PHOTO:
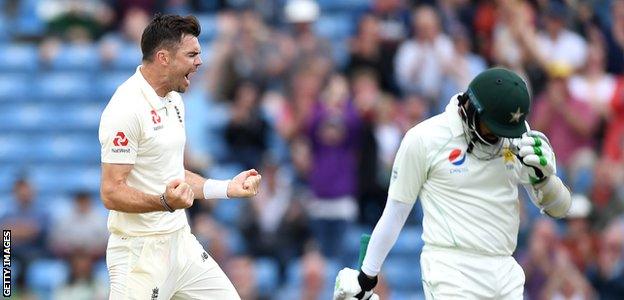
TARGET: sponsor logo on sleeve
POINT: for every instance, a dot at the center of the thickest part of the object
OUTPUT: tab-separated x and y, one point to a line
120	141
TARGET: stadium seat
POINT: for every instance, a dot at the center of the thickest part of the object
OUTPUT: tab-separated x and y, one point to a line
343	5
71	148
44	275
14	148
66	179
209	28
228	212
334	26
406	295
63	86
18	57
26	116
128	57
14	86
83	57
267	275
409	242
108	83
27	22
8	174
402	273
81	116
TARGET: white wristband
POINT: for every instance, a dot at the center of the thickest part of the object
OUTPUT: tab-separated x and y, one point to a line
216	189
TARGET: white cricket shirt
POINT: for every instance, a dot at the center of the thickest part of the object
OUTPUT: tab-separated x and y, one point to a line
468	203
140	128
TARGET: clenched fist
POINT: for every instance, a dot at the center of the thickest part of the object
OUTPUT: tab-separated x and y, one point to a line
179	194
244	184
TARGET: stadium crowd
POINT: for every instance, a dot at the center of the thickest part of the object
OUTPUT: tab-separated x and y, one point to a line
317	95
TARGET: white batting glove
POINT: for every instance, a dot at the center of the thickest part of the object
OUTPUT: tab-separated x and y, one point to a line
537	154
348	286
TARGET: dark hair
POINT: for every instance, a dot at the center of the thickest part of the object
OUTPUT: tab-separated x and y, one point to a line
166	31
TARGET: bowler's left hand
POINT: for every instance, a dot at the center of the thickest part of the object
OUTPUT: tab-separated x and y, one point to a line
244	185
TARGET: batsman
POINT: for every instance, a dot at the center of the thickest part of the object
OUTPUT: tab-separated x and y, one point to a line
466	165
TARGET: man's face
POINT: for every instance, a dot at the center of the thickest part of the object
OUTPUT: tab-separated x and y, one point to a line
184	62
487	134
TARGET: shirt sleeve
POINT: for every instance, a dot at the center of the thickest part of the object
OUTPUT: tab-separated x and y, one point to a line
119	135
385	235
409	171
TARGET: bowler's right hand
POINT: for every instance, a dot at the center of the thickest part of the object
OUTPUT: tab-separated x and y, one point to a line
179	194
354	285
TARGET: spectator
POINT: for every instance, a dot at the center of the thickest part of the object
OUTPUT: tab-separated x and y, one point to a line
247	131
579	240
613	147
366	52
463	67
571	124
606	193
275	226
614	36
82	285
566	282
608	277
538	260
76	21
313	267
28	223
594	85
334	130
83	228
241	272
558	45
420	62
129	35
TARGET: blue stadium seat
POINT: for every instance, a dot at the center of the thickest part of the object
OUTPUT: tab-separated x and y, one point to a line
14	86
18	57
409	242
334	26
402	273
28	23
267	275
15	148
8	174
340	52
64	85
70	148
81	116
406	295
64	179
26	116
235	241
128	57
108	83
208	24
83	57
44	275
343	5
228	212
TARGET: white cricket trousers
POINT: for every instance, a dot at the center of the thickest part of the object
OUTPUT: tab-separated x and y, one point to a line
456	274
165	266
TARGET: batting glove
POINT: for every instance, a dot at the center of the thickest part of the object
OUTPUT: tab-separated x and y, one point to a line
354	285
537	154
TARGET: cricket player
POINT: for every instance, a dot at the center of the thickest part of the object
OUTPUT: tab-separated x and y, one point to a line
151	252
465	165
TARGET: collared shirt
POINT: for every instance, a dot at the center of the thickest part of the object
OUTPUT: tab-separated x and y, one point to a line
468	204
140	128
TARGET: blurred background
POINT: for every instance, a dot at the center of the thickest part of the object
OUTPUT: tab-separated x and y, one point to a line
317	96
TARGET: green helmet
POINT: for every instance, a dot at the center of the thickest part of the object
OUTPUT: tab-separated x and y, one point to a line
502	101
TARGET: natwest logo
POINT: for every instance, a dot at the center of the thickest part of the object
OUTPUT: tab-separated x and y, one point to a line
120	139
155	117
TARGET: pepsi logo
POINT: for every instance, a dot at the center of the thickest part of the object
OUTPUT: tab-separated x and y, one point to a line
120	139
457	157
